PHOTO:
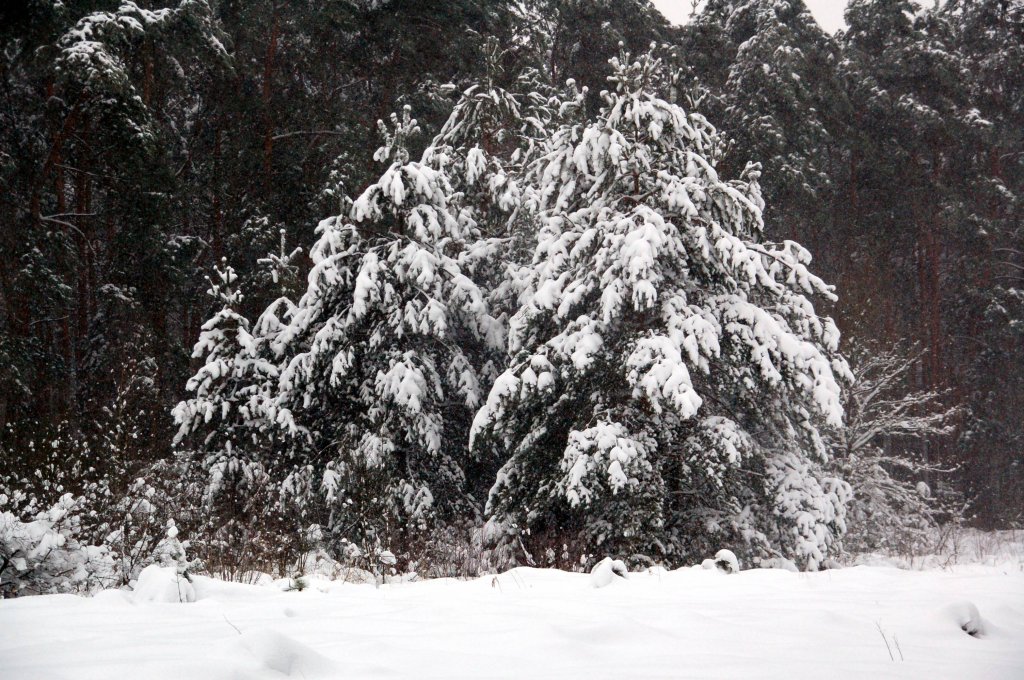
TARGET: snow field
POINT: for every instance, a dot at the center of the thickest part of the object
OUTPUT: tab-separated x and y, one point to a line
861	622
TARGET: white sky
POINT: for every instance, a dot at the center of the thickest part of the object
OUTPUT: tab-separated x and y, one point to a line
829	13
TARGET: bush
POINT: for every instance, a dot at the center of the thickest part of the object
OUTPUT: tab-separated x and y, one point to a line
46	555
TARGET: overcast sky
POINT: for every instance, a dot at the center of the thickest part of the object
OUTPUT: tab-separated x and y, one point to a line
829	13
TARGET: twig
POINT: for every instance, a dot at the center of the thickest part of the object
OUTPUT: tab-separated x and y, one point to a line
885	640
297	133
231	624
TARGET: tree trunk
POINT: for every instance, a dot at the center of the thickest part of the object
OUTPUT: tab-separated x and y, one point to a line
268	75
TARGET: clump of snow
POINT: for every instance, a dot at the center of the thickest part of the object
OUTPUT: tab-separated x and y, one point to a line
163	584
605	571
726	561
44	555
967	616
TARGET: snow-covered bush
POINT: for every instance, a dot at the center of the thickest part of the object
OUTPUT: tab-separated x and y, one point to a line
878	451
98	463
45	554
168	577
668	376
170	552
606	571
726	561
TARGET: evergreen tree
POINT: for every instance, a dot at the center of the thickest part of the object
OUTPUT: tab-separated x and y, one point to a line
929	184
227	444
386	349
226	418
779	104
985	201
579	36
666	370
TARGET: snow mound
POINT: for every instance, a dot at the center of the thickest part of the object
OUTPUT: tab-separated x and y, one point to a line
277	652
966	615
605	571
114	597
162	584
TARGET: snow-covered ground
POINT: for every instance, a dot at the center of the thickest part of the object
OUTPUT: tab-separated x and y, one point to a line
860	622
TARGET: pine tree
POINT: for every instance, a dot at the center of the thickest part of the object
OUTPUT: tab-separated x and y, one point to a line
933	187
781	105
92	237
667	371
385	350
986	324
226	418
579	36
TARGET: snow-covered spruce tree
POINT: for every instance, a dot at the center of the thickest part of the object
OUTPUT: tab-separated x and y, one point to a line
226	435
668	374
878	451
386	347
229	399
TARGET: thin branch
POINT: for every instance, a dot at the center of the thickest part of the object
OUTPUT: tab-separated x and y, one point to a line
298	133
59	215
231	624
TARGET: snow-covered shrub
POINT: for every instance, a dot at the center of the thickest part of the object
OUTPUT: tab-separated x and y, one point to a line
45	554
236	534
245	529
668	378
725	560
878	451
455	551
606	571
168	577
97	463
170	552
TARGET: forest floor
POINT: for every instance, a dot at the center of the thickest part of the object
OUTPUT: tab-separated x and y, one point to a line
856	622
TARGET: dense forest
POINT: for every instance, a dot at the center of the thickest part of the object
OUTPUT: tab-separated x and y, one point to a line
484	282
